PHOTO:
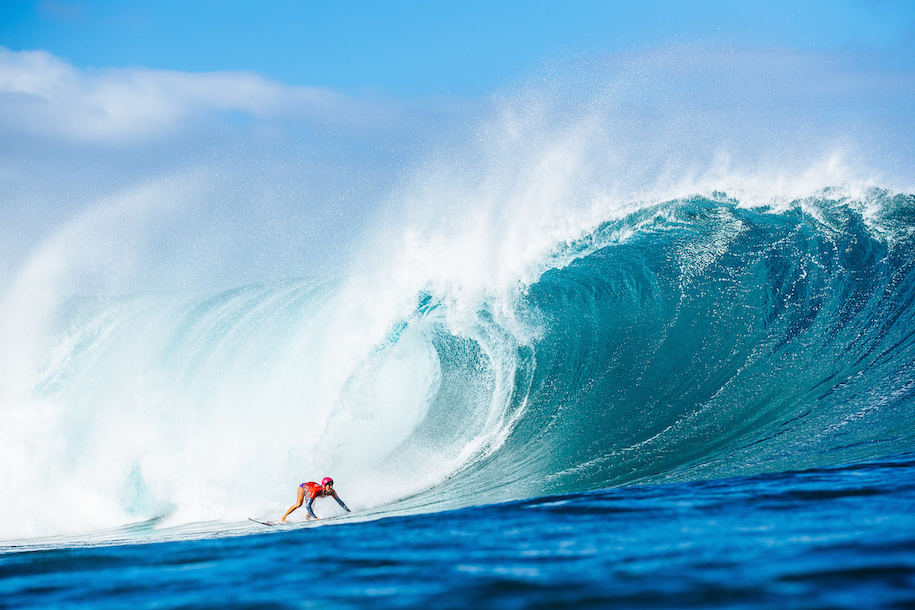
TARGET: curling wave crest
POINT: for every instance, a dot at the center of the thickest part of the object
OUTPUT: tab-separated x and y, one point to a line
694	338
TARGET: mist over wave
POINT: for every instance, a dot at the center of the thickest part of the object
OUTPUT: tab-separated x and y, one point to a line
612	277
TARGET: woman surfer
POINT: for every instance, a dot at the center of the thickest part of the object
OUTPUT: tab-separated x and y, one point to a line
325	489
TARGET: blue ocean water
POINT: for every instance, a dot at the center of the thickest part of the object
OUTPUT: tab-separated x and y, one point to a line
829	538
695	403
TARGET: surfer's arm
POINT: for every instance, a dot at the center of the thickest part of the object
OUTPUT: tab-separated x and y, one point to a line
310	512
340	502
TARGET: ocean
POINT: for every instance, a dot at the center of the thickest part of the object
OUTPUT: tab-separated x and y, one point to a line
828	538
702	401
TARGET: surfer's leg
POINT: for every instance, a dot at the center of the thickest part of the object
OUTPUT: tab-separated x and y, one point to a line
299	498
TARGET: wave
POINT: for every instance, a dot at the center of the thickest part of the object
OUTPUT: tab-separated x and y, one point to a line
700	339
716	340
693	338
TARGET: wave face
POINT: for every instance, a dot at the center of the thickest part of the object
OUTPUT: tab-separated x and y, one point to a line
691	339
714	340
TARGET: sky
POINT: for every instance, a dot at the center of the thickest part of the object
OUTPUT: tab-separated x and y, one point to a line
420	48
231	141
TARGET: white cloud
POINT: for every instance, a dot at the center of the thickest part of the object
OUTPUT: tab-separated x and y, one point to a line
41	94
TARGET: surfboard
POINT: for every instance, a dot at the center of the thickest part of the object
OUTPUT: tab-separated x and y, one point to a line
270	523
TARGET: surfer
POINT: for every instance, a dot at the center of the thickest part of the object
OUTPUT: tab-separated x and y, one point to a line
314	490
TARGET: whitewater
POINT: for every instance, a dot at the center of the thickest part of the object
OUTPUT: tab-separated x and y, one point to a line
578	331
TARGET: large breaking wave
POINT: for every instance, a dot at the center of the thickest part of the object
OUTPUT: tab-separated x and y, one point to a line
692	338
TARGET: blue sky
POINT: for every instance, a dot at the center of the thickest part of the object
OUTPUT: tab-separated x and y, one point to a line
417	48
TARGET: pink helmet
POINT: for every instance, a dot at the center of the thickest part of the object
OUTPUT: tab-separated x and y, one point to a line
326	481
